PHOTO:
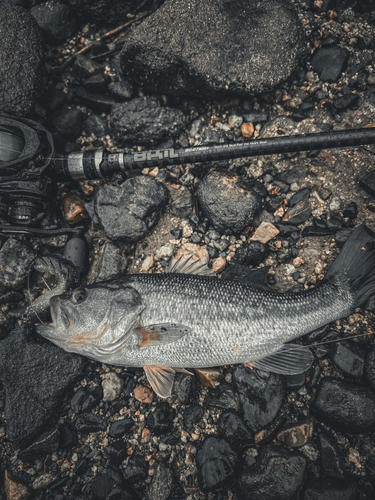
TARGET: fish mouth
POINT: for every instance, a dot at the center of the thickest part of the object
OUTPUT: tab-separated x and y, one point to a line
61	320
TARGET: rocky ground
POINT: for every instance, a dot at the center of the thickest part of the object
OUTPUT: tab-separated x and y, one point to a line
75	429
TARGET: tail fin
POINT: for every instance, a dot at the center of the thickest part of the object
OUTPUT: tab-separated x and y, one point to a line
356	264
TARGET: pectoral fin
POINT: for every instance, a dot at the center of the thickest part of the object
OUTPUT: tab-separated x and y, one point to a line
290	359
162	333
161	379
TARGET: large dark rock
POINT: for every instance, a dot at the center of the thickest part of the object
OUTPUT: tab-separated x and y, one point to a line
143	121
261	395
109	12
128	211
344	406
21	63
35	374
109	262
207	48
228	205
217	462
57	21
276	476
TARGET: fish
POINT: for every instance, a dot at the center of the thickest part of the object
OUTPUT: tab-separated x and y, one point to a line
188	318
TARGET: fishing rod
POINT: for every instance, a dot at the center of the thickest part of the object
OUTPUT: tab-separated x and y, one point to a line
30	167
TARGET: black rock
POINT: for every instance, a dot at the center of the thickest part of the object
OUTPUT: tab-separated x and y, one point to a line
109	484
344	406
108	12
256	253
351	211
68	122
233	427
136	470
163	55
302	194
108	263
329	63
286	230
143	121
368	183
116	452
160	421
224	397
129	386
334	223
228	205
276	475
298	115
217	462
68	437
120	427
350	359
315	231
15	261
57	21
128	211
121	91
100	103
53	99
98	47
32	400
330	489
342	235
84	67
345	102
370	366
295	381
77	400
88	422
21	60
44	445
97	84
255	117
307	106
260	189
161	484
82	466
299	213
95	125
185	387
261	395
182	203
332	464
192	415
92	398
295	174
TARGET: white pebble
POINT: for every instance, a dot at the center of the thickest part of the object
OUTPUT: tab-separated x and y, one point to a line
112	386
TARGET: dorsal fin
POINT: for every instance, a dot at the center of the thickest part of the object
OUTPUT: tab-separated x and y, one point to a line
188	266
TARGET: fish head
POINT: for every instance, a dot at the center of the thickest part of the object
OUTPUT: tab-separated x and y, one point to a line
92	316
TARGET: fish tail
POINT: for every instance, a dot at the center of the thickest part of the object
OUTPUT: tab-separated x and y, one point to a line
355	265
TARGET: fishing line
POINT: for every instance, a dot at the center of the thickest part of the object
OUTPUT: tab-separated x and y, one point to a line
339	340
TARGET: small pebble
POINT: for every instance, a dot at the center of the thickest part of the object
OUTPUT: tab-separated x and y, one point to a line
112	386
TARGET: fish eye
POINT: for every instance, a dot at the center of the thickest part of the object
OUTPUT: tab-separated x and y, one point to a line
78	296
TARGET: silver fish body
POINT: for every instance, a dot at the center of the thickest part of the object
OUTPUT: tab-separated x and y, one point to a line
166	322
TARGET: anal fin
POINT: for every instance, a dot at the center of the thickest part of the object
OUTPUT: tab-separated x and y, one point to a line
161	379
159	334
290	359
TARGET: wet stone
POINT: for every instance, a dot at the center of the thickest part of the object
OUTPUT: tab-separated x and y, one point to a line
185	387
68	437
136	470
345	102
294	435
329	63
334	223
301	195
217	462
92	398
299	213
109	263
46	444
330	489
120	427
330	457
161	484
276	475
344	406
295	381
228	205
368	182
88	422
350	359
112	386
286	230
351	211
295	174
192	415
315	231
144	121
182	203
109	484
15	261
256	253
57	21
96	84
77	400
100	103
84	67
160	421
53	98
144	394
232	426
261	395
121	91
68	122
224	397
94	125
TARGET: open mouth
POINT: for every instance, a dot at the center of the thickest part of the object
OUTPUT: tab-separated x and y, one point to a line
60	315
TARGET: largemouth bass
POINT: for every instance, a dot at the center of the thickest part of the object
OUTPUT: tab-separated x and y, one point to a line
188	319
